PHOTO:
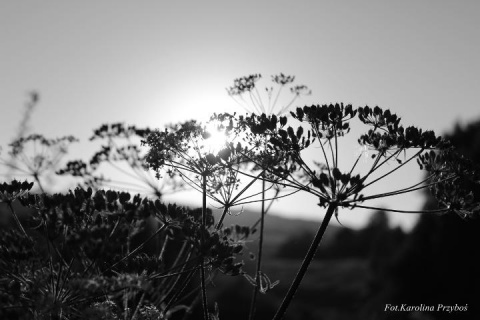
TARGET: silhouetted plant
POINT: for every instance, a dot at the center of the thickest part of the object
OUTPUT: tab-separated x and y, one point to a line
123	153
89	252
12	192
84	253
440	258
36	156
23	126
245	92
187	152
254	147
451	178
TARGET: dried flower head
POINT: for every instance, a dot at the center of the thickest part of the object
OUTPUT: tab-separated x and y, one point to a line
245	92
36	155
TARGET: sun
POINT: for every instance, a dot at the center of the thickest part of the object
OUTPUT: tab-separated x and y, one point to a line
215	140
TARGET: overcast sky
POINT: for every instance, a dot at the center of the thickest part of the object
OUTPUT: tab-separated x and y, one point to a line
155	62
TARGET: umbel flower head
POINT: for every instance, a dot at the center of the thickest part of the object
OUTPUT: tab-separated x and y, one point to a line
453	180
36	155
48	151
121	151
245	92
181	148
456	181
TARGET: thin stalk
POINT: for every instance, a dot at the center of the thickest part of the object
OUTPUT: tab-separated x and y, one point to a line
336	149
275	197
248	186
224	213
120	169
259	258
268	208
229	203
256	108
393	170
163	249
402	191
202	265
334	160
139	304
304	165
260	100
180	254
276	97
250	196
125	305
285	108
285	182
137	248
241	105
172	274
324	154
376	165
183	287
204	291
372	169
181	266
437	211
37	179
306	262
15	217
387	159
350	173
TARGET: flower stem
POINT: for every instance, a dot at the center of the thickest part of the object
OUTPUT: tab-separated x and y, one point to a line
224	213
37	179
305	264
204	290
259	258
204	228
15	217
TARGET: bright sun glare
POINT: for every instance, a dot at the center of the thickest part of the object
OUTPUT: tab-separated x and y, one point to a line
216	139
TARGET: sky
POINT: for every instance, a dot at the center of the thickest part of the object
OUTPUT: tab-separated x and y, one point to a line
150	63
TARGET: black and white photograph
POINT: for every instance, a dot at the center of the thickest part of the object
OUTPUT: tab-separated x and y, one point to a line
240	160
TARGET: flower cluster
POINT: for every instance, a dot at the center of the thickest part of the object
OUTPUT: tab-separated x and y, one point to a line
455	181
387	133
60	144
179	148
106	247
282	79
121	151
336	186
279	144
36	156
119	130
245	92
326	121
184	150
243	84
